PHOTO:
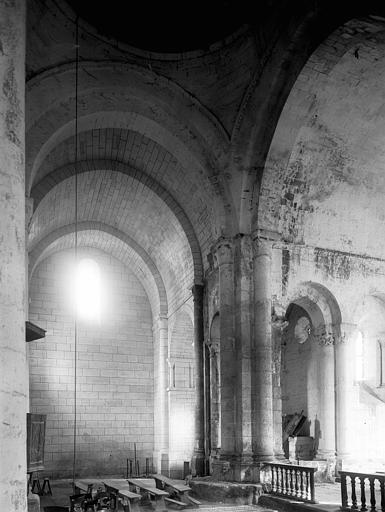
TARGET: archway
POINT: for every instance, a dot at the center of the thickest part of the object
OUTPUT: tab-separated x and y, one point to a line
181	391
308	373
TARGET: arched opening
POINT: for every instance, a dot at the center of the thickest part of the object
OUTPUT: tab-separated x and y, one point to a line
307	379
115	367
181	391
367	395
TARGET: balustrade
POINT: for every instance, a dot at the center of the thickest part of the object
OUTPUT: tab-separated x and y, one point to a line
293	482
371	485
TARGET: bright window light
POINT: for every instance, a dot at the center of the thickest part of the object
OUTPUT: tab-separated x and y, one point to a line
88	290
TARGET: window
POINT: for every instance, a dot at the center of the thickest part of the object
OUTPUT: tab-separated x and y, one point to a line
88	290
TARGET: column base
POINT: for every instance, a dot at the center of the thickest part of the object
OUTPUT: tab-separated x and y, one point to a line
199	464
240	468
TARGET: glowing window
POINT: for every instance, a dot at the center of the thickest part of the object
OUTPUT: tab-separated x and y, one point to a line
88	290
359	356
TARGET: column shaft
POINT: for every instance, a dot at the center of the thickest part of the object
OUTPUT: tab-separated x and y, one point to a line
161	395
14	373
227	348
199	453
263	437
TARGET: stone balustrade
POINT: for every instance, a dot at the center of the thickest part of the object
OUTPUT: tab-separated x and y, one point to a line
367	491
293	482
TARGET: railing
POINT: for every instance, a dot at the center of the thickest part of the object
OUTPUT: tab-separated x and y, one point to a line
293	482
366	482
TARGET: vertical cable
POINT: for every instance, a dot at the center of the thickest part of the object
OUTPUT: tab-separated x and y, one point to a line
76	244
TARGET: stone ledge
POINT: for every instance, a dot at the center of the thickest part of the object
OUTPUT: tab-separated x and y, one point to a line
225	492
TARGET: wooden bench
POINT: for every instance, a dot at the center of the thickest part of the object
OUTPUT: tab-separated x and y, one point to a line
120	491
86	486
175	489
147	486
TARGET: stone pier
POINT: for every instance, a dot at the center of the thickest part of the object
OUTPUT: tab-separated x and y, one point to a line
14	372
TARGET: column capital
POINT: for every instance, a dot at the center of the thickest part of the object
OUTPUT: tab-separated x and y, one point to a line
224	251
160	322
262	247
213	346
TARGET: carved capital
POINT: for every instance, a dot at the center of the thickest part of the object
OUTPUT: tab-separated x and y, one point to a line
262	247
213	346
224	252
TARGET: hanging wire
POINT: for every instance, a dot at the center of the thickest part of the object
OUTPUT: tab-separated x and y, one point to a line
76	245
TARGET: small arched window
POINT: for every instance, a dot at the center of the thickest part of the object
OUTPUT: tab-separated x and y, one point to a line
88	290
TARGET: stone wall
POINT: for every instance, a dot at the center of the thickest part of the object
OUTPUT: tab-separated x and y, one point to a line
114	370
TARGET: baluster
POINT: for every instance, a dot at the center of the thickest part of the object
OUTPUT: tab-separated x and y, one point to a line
307	473
302	493
272	479
354	497
363	497
297	495
312	488
382	487
280	488
279	482
344	492
372	495
289	486
292	481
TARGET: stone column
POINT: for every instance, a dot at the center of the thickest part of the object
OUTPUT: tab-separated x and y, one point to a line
199	459
262	390
223	468
213	347
326	395
13	370
278	324
243	288
344	368
161	395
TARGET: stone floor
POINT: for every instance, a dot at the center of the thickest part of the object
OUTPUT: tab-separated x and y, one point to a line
327	495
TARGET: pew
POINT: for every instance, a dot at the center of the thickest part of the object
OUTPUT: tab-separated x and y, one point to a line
120	491
147	487
87	485
178	491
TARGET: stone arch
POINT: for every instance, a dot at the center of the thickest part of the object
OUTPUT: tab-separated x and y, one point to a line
201	145
144	268
48	182
308	368
258	119
315	137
